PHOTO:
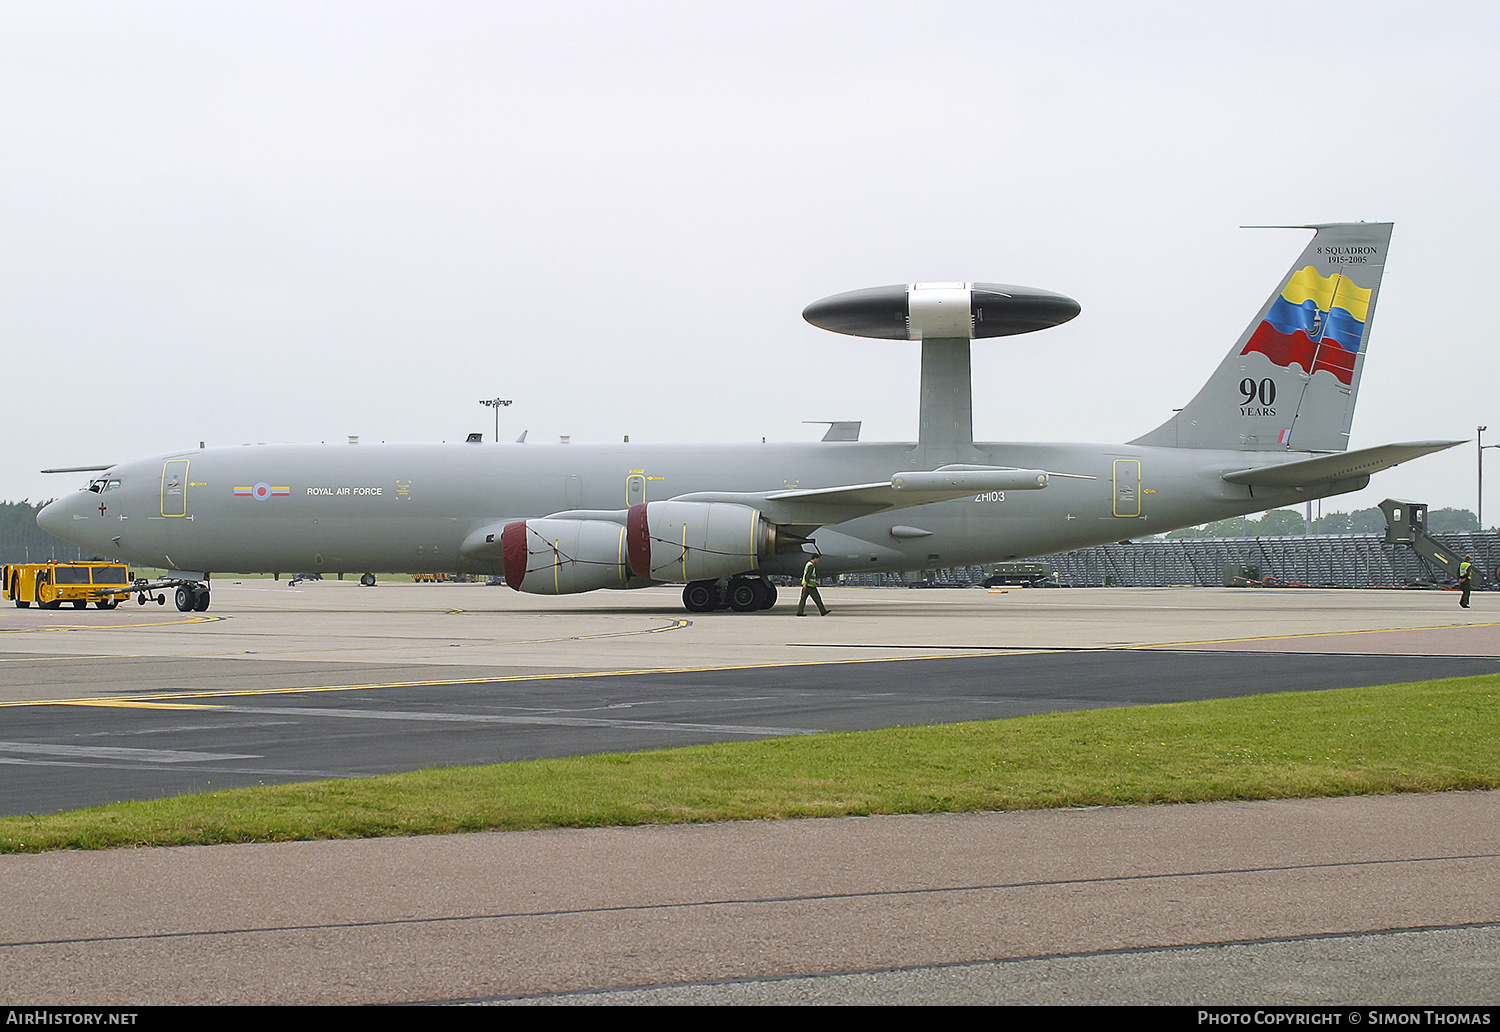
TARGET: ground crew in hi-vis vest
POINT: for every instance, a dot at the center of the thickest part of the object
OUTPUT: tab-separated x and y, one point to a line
810	589
1465	579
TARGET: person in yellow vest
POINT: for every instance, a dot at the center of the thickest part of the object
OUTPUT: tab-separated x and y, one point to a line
810	589
1465	579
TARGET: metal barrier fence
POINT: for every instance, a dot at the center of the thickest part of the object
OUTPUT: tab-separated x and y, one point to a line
1322	560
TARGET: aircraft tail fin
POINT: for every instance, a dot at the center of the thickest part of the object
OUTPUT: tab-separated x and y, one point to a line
1290	381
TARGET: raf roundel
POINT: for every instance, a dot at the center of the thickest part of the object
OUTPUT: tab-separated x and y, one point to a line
262	491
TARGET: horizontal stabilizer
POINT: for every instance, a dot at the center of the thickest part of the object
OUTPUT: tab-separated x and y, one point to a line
1343	466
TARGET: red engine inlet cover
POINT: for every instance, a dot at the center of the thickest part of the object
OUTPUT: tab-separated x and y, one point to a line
513	553
638	541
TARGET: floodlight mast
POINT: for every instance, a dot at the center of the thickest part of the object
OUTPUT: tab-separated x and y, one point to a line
496	404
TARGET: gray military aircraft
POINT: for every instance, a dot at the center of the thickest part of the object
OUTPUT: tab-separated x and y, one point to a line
1269	428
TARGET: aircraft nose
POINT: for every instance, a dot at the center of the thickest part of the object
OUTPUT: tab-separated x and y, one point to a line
63	519
53	519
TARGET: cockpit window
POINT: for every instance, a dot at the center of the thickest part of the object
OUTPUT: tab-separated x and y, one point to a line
103	484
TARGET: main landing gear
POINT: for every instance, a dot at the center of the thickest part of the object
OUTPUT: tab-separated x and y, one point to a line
192	599
741	594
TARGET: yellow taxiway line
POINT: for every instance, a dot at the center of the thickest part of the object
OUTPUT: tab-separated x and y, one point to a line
114	627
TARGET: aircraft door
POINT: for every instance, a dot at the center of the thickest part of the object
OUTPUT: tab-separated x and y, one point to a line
1127	478
174	485
635	489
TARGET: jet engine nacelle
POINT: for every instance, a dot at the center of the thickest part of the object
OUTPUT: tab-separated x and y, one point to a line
683	542
561	557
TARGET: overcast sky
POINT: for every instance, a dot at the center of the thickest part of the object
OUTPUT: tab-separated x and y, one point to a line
244	222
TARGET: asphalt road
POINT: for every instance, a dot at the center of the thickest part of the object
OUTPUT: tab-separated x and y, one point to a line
142	746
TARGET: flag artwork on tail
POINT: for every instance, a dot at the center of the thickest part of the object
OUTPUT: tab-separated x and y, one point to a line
1318	323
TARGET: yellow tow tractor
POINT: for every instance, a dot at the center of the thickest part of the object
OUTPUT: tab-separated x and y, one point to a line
49	585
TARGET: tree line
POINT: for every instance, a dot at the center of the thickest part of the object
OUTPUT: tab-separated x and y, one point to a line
22	541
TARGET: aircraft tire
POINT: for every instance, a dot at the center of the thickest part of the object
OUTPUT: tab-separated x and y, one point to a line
768	595
742	595
200	604
368	580
184	600
701	596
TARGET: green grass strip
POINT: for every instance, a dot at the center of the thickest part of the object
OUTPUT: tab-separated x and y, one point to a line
1425	737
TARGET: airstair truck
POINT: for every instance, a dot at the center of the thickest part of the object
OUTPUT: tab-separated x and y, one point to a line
1406	524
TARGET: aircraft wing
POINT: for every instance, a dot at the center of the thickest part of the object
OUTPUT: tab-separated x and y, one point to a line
1342	466
819	506
800	511
815	507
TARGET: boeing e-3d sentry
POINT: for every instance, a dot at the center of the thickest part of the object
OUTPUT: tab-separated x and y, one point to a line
1269	428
